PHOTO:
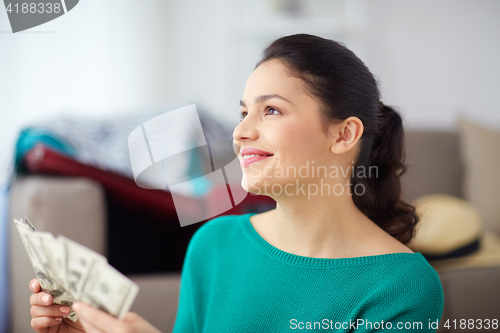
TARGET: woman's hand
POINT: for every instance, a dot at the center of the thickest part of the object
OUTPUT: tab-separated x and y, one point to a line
48	317
97	321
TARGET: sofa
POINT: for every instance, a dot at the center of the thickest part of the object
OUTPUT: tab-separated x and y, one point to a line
77	208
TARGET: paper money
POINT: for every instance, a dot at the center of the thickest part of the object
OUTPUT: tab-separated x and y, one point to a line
71	272
107	289
78	260
54	250
44	271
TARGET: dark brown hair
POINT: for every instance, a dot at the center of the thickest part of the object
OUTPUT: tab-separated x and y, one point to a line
345	87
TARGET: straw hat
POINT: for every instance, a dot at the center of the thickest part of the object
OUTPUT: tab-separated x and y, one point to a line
449	227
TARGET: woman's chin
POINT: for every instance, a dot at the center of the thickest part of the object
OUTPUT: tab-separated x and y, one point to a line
251	188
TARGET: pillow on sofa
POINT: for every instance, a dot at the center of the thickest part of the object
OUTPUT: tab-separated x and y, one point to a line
480	152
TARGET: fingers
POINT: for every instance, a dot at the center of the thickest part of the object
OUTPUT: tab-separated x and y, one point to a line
44	322
131	317
52	329
49	311
35	285
45	315
41	298
98	320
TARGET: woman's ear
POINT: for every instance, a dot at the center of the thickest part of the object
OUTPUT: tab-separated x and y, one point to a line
346	134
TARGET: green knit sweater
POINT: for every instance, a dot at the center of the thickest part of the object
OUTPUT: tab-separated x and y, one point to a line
235	281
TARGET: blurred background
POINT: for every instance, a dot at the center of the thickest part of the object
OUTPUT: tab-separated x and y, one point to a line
106	62
434	59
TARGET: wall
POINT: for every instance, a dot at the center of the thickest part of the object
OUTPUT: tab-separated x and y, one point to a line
436	59
100	58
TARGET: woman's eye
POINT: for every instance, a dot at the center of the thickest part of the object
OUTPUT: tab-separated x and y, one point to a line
269	108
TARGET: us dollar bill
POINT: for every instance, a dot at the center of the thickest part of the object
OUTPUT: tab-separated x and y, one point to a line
49	282
72	272
78	261
54	250
109	290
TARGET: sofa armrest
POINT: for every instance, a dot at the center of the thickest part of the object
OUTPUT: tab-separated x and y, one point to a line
158	299
470	294
73	207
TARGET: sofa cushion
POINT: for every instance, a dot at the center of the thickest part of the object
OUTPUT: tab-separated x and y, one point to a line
433	164
480	151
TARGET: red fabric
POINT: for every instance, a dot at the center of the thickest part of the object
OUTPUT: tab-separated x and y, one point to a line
43	160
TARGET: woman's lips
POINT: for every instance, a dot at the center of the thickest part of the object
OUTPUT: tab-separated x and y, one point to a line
246	162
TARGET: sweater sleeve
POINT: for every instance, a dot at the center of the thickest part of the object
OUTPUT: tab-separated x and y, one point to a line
416	305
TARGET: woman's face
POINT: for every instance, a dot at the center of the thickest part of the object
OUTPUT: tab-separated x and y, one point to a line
280	118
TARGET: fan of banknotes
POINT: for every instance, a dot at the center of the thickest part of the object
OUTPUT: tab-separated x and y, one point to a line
71	272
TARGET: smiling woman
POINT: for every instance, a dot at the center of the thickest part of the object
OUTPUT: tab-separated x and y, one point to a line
320	259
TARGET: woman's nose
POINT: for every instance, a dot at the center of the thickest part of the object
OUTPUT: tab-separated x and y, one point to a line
245	130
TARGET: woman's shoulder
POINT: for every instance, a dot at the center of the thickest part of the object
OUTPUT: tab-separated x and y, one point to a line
220	226
212	237
410	274
406	266
409	287
221	222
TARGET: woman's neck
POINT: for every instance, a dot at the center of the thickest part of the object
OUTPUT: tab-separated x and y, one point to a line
326	227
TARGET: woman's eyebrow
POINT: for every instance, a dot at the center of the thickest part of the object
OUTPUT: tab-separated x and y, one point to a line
263	98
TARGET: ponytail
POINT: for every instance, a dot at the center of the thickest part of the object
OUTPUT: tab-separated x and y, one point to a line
381	200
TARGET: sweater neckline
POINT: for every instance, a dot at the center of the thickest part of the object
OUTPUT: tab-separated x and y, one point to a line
295	259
